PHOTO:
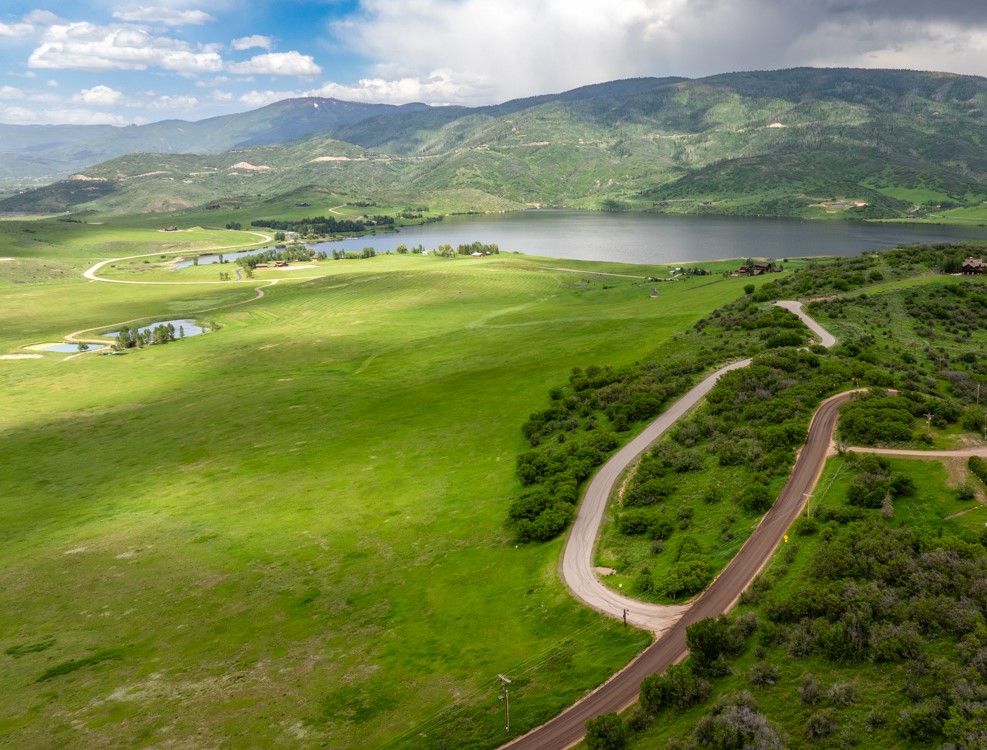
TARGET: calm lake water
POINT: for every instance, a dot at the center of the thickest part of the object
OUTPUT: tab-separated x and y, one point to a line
651	238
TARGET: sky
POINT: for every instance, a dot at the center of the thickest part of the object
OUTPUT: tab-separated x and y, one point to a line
117	62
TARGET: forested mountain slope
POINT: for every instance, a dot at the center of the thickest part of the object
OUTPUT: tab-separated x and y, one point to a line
866	143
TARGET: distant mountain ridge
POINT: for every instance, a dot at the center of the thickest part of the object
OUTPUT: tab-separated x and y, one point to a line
803	141
49	152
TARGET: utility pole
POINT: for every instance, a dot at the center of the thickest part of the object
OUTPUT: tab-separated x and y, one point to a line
928	421
504	682
625	617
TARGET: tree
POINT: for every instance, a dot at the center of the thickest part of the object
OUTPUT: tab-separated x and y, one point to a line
605	732
279	236
749	288
83	346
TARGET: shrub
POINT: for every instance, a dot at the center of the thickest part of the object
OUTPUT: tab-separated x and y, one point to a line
605	732
842	694
734	723
678	687
979	467
756	498
710	640
805	526
661	528
632	522
763	674
965	492
809	691
820	724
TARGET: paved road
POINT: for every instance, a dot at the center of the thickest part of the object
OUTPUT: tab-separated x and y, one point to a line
825	337
622	689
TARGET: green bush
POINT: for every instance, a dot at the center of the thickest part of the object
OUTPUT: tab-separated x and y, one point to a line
979	467
605	732
679	687
755	499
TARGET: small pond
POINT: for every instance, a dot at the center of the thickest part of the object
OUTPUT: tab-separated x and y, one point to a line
72	348
185	325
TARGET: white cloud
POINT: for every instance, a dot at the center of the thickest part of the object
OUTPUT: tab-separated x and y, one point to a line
439	87
102	96
205	83
262	98
18	116
16	29
28	24
221	96
42	18
166	16
52	83
251	42
492	50
174	103
27	95
277	64
86	46
58	116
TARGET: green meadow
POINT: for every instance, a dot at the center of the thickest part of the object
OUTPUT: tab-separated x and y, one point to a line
290	531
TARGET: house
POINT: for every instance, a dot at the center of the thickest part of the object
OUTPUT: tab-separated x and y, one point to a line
972	267
756	269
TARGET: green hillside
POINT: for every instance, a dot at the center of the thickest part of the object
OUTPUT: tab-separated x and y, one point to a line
807	142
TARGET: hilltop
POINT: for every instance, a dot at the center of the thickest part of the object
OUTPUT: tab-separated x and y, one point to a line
799	142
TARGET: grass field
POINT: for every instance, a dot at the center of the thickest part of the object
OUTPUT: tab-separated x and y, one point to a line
290	531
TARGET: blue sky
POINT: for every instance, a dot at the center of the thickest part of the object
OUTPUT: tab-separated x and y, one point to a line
118	62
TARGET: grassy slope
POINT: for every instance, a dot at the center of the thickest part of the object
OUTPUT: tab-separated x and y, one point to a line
291	529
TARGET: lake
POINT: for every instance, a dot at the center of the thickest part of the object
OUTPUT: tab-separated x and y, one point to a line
652	238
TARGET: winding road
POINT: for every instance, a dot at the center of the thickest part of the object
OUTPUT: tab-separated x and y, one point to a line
670	622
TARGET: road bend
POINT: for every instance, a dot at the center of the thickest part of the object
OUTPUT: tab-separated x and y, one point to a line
621	691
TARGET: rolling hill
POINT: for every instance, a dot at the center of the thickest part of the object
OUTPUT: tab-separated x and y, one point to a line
864	143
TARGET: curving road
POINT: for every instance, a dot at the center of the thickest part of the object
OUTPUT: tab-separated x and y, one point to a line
577	559
621	691
825	337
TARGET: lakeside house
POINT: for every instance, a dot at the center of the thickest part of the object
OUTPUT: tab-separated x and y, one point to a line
972	267
757	269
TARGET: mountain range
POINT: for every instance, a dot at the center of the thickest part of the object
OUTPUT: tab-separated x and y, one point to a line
868	143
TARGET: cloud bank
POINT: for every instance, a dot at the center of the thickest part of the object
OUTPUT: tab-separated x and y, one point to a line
491	50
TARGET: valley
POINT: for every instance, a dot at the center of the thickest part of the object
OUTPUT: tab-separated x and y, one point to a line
344	508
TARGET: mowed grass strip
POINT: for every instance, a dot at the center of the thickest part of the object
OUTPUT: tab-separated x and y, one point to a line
290	531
